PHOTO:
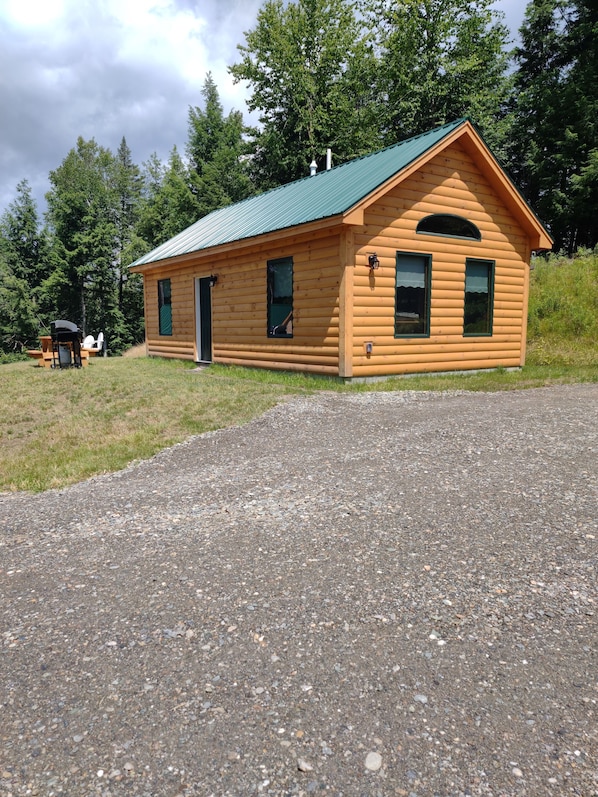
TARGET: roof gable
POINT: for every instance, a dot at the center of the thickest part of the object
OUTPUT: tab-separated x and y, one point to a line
343	191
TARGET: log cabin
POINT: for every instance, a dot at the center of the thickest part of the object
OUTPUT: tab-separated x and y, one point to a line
412	259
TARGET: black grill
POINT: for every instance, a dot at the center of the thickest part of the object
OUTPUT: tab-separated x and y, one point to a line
66	344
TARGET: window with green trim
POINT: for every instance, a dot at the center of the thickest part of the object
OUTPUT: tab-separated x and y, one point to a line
280	298
449	225
479	296
164	307
412	295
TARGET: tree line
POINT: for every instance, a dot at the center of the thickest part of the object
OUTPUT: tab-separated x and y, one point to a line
350	75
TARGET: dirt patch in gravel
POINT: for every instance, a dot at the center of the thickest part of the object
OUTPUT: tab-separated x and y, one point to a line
383	594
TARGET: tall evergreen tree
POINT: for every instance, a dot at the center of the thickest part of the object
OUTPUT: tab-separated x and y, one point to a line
24	264
169	204
534	158
217	153
19	324
581	52
128	184
93	207
555	138
206	127
309	69
22	239
82	217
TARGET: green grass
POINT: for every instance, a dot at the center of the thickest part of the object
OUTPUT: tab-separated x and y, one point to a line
563	311
59	427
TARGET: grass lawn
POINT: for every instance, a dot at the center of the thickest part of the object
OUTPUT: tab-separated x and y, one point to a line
61	426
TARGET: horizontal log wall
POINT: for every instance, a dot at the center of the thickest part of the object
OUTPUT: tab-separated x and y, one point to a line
239	305
178	345
334	317
450	183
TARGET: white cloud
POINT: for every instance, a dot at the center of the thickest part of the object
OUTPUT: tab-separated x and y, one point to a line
160	33
104	69
32	13
108	68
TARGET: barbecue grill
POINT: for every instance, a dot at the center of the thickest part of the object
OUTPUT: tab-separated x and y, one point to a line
66	344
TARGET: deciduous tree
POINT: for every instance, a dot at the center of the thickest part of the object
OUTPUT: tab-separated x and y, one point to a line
439	60
309	69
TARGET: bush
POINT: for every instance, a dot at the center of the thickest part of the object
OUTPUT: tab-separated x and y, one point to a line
11	357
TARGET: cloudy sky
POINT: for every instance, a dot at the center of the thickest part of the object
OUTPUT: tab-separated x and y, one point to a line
105	69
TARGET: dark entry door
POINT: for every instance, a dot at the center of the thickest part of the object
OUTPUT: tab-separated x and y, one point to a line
203	319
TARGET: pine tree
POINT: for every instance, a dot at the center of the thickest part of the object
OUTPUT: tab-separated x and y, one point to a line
581	52
217	153
128	316
24	264
169	204
22	239
82	214
555	139
19	327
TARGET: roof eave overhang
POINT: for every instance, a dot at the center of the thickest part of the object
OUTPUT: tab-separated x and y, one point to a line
466	133
264	240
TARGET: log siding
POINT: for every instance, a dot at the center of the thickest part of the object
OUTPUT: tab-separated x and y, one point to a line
239	306
451	183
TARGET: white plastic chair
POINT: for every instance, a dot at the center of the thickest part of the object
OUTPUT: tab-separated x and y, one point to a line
92	344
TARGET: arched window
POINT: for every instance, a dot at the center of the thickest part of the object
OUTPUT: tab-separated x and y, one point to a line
447	224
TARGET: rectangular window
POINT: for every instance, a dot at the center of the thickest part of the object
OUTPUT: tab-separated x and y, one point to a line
280	298
479	290
412	296
164	308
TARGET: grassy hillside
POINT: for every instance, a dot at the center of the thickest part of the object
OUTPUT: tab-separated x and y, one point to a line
563	311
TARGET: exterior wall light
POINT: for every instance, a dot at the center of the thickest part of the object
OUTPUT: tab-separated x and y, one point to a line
213	280
373	261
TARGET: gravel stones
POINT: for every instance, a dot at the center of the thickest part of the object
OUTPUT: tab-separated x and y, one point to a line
261	610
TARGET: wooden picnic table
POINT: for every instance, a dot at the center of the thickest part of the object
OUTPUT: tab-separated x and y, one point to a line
48	358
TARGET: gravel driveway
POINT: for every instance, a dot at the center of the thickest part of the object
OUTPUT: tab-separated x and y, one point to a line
377	594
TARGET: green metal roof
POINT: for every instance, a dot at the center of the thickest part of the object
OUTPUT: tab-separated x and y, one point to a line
326	194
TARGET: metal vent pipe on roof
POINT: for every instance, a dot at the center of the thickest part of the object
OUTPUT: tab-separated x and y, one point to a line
328	159
313	168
